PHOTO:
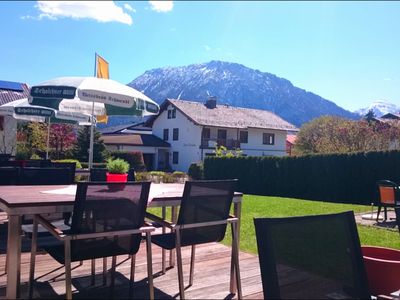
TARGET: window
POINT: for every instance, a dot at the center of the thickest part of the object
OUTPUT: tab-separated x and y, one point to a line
165	136
222	134
175	158
268	138
175	134
172	113
243	137
206	134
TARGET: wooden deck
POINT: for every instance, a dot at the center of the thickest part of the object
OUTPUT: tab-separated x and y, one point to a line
211	277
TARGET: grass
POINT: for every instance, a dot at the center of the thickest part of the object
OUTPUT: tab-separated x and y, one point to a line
263	206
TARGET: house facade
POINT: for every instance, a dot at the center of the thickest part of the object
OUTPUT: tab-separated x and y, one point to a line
193	130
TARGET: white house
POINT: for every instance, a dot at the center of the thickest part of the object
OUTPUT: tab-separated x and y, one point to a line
193	130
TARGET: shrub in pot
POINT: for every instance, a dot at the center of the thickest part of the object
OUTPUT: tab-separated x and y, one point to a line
117	171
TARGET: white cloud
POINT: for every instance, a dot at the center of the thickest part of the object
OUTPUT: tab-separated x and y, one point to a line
387	79
101	11
162	6
207	48
129	8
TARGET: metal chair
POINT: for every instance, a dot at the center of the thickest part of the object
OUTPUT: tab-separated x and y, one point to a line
203	218
104	223
389	196
45	176
70	165
9	175
311	257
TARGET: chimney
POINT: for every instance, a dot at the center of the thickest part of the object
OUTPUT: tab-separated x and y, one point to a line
211	102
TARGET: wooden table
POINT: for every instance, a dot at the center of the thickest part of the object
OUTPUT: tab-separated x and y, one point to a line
18	201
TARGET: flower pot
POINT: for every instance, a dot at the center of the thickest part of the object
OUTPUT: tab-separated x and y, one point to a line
383	269
112	177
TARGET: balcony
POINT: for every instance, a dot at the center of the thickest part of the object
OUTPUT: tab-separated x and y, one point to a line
212	142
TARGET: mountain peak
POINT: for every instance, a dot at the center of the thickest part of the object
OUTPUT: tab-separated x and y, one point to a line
380	108
236	85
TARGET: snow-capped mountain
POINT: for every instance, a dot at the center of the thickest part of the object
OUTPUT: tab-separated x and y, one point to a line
236	85
379	108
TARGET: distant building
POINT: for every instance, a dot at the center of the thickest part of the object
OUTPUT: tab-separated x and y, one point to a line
10	91
193	130
134	137
290	142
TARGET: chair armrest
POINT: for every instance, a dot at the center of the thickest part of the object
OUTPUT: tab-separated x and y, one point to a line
160	220
205	224
386	297
58	233
84	236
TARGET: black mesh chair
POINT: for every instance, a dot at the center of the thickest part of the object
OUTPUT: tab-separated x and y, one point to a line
311	257
388	196
105	223
45	176
203	218
69	165
9	175
397	210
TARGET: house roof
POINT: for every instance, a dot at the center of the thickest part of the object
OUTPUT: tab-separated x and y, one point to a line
291	138
10	91
391	116
227	116
144	140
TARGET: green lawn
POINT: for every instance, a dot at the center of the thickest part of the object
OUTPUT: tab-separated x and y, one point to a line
263	206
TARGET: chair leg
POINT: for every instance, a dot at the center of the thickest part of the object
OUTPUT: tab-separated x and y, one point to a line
149	265
93	272
132	280
33	259
192	265
385	210
235	257
104	271
179	261
112	284
68	284
379	211
163	251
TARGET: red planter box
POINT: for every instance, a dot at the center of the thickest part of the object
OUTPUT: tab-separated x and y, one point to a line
383	269
111	177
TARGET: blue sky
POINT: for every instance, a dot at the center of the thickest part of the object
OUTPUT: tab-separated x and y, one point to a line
347	52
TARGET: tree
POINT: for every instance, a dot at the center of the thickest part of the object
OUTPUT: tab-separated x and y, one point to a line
337	135
62	138
81	148
369	116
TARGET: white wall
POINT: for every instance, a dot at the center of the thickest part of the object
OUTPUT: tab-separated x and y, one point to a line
8	136
255	146
188	143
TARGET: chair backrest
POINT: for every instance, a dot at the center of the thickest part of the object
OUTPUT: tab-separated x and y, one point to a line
397	210
70	165
104	207
98	174
9	175
38	163
311	257
387	191
205	201
131	174
44	176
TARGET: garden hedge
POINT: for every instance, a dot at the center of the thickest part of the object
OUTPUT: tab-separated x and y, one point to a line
344	178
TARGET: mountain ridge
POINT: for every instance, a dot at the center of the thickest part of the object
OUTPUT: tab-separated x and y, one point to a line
236	85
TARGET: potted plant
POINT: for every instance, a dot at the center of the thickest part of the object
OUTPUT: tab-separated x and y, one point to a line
117	170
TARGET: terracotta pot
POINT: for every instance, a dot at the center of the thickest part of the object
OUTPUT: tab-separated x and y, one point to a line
383	269
112	177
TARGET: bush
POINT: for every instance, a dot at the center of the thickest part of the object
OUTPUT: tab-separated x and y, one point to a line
134	158
142	176
70	160
117	166
196	171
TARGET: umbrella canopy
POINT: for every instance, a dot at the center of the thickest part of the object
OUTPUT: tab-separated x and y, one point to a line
22	110
117	98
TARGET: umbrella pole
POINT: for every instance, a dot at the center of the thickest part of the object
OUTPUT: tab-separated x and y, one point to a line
91	139
48	140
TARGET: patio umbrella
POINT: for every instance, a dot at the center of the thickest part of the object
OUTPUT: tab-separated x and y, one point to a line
22	110
117	98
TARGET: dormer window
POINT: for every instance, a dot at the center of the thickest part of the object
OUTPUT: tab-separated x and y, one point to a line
172	113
